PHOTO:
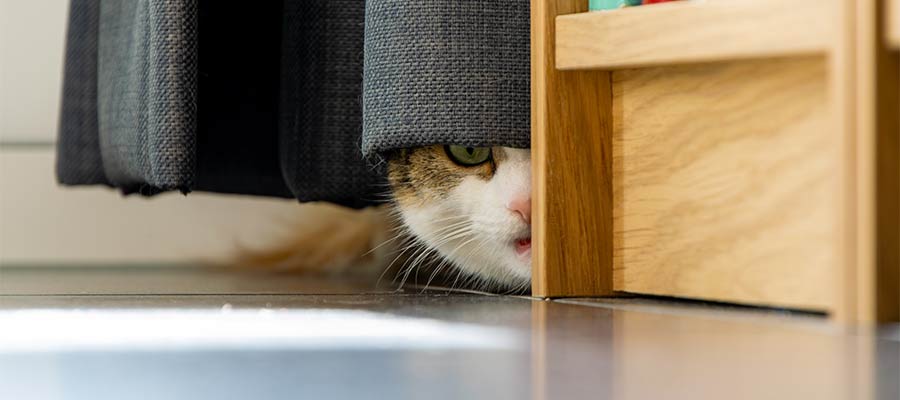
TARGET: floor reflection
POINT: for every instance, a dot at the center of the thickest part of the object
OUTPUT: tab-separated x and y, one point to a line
620	354
425	345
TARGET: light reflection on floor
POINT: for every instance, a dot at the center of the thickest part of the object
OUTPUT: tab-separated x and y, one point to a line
243	339
228	329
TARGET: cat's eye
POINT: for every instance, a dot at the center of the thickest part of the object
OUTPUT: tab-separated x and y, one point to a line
468	155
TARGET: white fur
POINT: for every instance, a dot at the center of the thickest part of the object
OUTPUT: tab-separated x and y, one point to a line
473	228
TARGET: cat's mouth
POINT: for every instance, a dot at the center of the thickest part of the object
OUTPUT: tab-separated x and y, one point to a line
523	246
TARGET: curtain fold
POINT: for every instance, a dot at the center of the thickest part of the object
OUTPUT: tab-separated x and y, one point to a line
291	98
446	71
146	89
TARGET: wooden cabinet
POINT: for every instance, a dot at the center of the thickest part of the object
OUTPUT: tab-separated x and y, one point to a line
892	23
741	151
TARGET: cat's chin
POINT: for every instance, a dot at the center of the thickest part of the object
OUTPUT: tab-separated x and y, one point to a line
521	272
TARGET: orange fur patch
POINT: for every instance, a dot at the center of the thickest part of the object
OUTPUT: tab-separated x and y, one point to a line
328	240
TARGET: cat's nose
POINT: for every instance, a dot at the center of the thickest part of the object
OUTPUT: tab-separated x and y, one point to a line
521	206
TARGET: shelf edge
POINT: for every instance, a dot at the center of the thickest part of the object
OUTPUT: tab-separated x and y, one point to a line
686	32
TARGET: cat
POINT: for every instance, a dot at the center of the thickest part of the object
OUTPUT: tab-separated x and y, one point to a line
461	213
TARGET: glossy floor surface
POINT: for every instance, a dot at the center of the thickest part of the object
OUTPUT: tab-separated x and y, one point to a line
194	334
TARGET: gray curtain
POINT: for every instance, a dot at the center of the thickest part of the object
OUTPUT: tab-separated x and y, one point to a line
292	98
446	72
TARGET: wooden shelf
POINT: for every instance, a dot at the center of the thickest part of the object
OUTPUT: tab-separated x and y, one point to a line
683	32
893	23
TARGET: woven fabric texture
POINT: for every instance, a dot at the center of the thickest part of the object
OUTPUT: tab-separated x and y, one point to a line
446	72
321	108
78	160
292	98
147	71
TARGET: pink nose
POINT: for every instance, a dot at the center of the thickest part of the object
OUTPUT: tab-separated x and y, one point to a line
522	206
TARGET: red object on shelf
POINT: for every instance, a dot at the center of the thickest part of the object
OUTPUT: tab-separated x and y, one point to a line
657	1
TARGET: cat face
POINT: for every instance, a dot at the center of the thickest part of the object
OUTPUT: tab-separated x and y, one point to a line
470	205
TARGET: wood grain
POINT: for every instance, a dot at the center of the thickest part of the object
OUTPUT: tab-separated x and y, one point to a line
683	32
877	168
725	183
571	136
892	23
842	88
887	197
890	242
865	81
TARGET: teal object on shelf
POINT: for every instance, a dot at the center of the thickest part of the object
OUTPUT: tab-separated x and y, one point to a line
597	5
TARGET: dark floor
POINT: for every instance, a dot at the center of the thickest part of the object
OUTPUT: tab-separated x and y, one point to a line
163	333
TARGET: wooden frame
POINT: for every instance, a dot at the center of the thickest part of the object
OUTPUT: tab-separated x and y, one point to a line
680	33
827	143
875	294
887	82
892	23
572	222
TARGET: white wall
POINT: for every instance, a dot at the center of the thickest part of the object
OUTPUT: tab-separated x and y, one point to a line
31	52
42	223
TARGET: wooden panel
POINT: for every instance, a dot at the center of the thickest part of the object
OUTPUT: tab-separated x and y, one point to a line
842	88
877	169
570	122
683	32
887	197
725	182
893	22
870	282
887	169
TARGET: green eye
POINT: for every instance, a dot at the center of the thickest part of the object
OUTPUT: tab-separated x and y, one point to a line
468	155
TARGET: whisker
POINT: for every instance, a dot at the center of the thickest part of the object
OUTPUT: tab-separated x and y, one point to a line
447	261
